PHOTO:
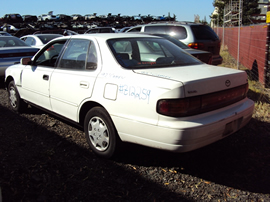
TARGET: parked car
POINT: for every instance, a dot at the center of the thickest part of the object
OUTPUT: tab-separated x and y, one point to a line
101	30
136	17
63	17
29	18
141	89
47	17
197	36
203	56
39	40
12	49
90	16
9	28
12	18
77	17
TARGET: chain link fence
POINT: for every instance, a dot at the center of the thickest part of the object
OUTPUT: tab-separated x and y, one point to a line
249	46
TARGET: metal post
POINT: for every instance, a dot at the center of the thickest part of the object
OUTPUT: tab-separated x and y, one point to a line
239	28
223	29
266	65
217	23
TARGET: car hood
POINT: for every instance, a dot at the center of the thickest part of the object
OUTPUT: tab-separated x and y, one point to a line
199	79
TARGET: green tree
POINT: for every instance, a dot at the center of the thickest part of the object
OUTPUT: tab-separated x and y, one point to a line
219	5
250	7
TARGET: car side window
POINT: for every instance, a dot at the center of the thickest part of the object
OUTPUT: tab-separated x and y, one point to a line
80	54
49	54
178	32
155	29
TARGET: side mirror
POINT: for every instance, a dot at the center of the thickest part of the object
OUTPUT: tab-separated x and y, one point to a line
25	61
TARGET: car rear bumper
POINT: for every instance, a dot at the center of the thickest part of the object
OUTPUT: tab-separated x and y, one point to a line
217	60
187	135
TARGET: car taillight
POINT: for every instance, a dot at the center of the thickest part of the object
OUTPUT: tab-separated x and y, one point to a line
196	45
201	104
50	48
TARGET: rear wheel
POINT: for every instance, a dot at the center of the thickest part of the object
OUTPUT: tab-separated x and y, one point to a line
100	132
15	101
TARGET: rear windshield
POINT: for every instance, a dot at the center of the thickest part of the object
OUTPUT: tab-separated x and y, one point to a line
178	32
137	53
46	38
203	32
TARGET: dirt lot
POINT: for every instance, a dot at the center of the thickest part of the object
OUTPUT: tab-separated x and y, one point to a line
44	159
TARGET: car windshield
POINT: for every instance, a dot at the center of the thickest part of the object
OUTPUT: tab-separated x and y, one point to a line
10	41
137	53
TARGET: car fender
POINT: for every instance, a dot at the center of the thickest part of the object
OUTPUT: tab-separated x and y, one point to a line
12	71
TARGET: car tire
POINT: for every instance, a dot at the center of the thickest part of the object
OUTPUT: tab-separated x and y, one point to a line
100	133
15	101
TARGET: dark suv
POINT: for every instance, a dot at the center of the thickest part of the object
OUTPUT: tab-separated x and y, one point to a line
197	36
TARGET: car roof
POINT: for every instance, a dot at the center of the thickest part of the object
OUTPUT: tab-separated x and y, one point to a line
101	28
47	34
177	23
106	36
117	35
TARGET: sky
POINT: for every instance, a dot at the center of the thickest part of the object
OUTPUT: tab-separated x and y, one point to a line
183	9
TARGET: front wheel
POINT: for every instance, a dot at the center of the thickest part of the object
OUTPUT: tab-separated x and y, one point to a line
15	101
100	132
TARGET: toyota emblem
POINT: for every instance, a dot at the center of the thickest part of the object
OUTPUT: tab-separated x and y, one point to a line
228	83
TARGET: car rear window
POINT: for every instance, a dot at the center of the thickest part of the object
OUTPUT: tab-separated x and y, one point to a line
203	32
46	38
144	52
178	32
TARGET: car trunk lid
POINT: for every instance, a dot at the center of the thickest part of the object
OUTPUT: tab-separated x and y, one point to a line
200	79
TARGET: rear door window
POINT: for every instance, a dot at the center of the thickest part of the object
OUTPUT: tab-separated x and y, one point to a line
80	54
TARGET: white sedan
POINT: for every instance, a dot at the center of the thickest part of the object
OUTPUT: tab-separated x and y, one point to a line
39	40
132	88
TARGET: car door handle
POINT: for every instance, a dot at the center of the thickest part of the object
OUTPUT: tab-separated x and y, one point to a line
84	84
45	77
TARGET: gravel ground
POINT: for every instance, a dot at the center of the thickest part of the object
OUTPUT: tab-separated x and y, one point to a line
44	159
